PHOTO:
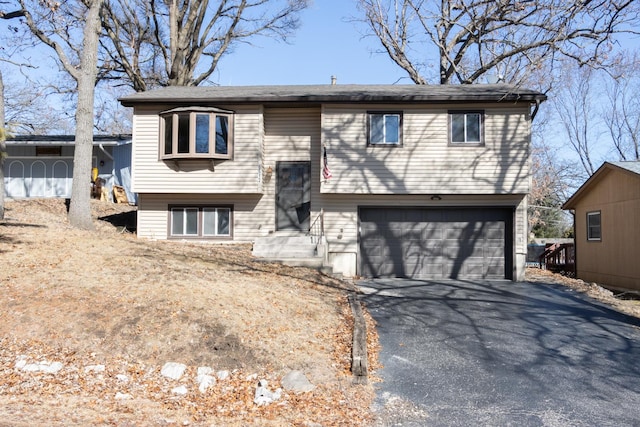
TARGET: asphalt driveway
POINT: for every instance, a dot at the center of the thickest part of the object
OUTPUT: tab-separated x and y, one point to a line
498	353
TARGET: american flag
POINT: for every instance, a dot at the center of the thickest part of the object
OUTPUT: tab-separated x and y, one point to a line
326	173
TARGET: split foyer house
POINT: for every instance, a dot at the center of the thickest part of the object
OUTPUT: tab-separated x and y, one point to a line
607	226
397	180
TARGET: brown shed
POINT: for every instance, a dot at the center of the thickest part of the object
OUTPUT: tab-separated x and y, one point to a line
607	226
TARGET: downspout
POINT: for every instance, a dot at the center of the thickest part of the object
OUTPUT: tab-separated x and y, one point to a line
113	164
535	110
111	157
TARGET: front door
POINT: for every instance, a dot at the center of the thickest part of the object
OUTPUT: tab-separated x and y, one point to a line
293	195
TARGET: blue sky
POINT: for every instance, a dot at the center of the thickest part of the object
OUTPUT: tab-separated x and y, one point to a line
327	44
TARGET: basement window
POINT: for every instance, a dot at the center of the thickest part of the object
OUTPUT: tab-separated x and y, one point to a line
594	226
200	222
196	132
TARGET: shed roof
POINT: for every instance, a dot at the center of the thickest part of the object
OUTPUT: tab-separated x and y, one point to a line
66	139
632	167
335	93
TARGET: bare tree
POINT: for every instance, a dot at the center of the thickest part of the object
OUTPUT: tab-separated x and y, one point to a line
71	30
30	106
180	43
110	117
550	179
497	39
574	103
3	146
622	115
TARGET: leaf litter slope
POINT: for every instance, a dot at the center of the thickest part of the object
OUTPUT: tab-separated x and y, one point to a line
105	297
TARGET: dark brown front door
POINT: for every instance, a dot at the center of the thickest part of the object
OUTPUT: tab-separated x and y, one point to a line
293	195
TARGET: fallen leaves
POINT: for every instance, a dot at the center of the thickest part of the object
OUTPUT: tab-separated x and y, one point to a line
629	306
105	298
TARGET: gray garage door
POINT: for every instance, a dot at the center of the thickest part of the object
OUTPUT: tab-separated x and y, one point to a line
436	243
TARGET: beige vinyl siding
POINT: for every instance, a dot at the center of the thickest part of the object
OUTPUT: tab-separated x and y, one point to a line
153	213
288	134
425	162
291	134
520	239
261	153
241	174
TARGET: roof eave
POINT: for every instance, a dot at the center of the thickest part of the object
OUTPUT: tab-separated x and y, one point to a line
317	94
66	140
592	180
327	100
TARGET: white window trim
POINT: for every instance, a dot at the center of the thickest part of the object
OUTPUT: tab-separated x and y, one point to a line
384	143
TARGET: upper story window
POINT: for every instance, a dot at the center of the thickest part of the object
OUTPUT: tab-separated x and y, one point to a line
594	226
385	128
466	127
196	132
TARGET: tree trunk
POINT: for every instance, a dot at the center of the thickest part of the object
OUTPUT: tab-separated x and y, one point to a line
80	207
3	147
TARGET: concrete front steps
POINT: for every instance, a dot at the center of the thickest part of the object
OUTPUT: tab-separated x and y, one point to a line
293	249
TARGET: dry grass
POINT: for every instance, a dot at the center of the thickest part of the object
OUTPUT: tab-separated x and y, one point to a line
630	306
104	297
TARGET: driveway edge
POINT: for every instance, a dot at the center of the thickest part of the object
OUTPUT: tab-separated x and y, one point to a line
359	357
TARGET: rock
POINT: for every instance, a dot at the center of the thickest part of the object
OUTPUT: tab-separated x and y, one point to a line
204	370
297	382
181	390
122	378
222	375
173	370
252	377
44	366
123	396
51	368
204	382
21	362
94	368
264	396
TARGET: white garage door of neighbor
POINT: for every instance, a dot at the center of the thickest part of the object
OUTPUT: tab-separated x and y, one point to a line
38	177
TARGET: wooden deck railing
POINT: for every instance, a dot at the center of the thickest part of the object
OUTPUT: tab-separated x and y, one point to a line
559	258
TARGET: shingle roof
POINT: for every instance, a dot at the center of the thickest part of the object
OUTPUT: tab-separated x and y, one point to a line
632	166
629	166
65	139
335	93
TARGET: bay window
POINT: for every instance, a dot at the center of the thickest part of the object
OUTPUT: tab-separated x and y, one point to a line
196	132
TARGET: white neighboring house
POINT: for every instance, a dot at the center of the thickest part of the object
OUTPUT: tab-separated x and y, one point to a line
385	180
41	166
